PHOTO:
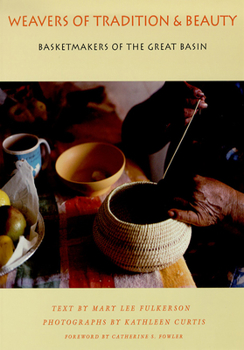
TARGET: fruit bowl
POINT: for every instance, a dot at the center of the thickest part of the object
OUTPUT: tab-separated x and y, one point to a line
91	168
40	229
22	194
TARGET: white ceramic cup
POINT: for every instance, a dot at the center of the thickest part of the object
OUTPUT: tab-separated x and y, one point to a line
28	147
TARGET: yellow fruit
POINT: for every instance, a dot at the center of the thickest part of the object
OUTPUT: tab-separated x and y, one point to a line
38	109
4	198
6	249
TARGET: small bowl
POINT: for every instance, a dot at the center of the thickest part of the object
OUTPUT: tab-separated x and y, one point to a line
91	168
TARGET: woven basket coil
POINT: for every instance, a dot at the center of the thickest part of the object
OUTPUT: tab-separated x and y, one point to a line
133	246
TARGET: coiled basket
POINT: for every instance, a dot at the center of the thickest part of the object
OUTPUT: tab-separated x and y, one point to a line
131	230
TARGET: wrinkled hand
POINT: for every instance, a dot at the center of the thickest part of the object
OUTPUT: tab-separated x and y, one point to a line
192	95
208	202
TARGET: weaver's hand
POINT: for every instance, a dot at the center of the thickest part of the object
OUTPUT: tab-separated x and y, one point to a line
192	95
207	202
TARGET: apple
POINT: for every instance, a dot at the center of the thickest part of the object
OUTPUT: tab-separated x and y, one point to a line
20	114
12	222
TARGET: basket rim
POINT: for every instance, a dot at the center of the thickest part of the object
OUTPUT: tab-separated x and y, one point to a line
129	224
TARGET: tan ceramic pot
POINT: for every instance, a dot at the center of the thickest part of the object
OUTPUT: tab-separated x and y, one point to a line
91	168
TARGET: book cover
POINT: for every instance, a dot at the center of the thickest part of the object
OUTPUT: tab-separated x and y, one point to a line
110	43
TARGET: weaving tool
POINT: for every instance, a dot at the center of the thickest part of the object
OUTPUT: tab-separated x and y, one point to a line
183	136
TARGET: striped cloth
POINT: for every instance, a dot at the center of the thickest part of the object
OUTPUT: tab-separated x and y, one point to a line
68	257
